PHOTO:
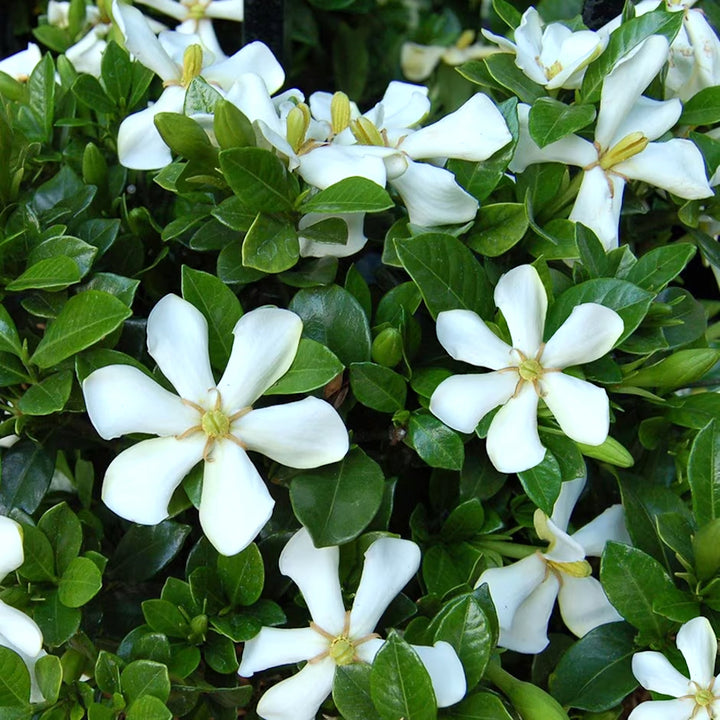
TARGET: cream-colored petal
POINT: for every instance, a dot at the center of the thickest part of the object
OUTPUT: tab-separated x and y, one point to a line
329	164
665	710
355	223
445	670
11	542
402	106
654	672
418	61
562	548
21	64
272	647
18	632
253	58
570	491
584	605
697	642
609	525
598	204
168	7
226	10
652	118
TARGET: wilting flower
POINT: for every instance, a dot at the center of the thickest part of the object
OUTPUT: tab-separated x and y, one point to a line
697	698
21	64
336	637
209	421
17	631
525	372
623	150
555	56
524	593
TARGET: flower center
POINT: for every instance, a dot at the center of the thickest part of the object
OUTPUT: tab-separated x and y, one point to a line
553	70
366	133
342	650
530	370
704	697
628	147
196	9
192	64
215	424
577	568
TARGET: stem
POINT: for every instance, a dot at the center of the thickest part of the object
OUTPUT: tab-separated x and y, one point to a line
517	551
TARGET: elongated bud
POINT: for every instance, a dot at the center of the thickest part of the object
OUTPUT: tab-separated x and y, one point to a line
339	112
706	549
298	122
387	347
366	133
629	146
192	64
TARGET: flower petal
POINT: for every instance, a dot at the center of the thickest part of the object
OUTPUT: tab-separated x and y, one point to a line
235	503
584	605
682	709
140	481
300	696
521	297
389	565
303	434
121	399
254	58
226	10
18	632
590	331
168	7
697	642
609	525
21	64
598	204
250	95
265	344
654	672
562	548
570	491
272	647
315	572
466	337
461	401
366	651
11	542
177	339
652	118
581	408
418	61
356	239
402	106
329	164
513	443
445	670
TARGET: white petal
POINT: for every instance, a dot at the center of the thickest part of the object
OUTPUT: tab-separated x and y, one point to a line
168	7
590	331
367	650
402	106
225	10
303	434
511	585
253	58
389	565
21	64
265	344
315	572
445	670
513	443
250	95
300	696
697	642
562	548
121	399
177	339
18	632
235	503
529	38
609	525
140	146
675	165
598	204
581	408
418	61
654	672
208	39
140	481
584	605
11	542
355	223
473	132
466	337
329	164
570	491
433	197
577	51
705	66
86	54
272	647
461	401
521	297
664	710
651	117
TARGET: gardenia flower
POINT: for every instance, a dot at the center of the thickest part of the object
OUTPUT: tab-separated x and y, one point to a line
623	150
697	698
525	372
209	421
336	637
21	64
555	57
524	593
17	631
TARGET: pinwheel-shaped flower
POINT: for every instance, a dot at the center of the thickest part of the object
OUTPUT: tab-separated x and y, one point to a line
17	631
525	372
209	421
697	698
623	150
21	64
336	637
524	593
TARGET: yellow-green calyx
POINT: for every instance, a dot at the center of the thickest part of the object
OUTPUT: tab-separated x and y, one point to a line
530	370
196	10
192	64
341	648
215	424
342	651
628	147
366	133
339	112
298	122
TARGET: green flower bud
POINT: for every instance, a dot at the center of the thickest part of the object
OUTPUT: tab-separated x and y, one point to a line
387	347
706	548
198	629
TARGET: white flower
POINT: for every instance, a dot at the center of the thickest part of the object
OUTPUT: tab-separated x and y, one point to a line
17	631
21	64
555	57
623	150
314	248
178	59
697	698
524	593
209	421
525	372
336	637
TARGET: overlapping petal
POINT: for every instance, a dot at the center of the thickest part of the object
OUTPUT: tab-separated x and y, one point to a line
652	118
570	492
272	647
598	204
697	642
655	672
609	525
254	58
329	164
403	105
19	632
445	670
11	542
584	605
466	337
682	709
21	64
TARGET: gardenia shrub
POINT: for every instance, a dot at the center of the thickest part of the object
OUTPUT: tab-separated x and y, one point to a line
329	394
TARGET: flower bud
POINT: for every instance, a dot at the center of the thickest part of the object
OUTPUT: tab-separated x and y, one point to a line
387	347
706	548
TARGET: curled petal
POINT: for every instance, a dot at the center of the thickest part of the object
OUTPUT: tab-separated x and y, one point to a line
466	337
389	565
598	204
329	164
11	542
356	238
445	670
276	646
570	491
86	54
315	572
235	503
168	7
652	118
140	481
697	642
578	50
654	672
609	525
253	58
402	106
584	605
121	399
562	548
18	632
682	709
265	344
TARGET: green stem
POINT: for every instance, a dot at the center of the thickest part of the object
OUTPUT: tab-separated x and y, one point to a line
517	551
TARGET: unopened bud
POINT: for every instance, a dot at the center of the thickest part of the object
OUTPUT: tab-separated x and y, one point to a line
387	347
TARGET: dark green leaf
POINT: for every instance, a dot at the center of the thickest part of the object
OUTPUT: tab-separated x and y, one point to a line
313	367
62	527
80	582
271	245
242	575
507	74
14	680
703	473
51	274
656	268
542	483
48	396
144	677
49	674
498	227
703	108
378	387
351	692
26	473
551	120
434	442
57	621
353	194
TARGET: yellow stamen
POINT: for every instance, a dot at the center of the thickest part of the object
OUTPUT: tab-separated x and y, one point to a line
298	122
553	70
578	568
339	112
465	40
192	64
629	146
366	133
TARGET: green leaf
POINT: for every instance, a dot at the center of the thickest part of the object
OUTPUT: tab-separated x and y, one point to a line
90	93
550	120
220	654
507	13
9	338
242	576
200	98
498	227
656	268
446	272
145	677
186	137
271	245
165	617
26	473
107	672
41	95
51	274
57	621
84	320
434	442
480	706
464	522
703	473
49	674
400	686
39	562
596	672
338	501
80	582
351	195
64	531
313	367
48	396
116	72
610	451
234	213
542	483
703	108
378	387
507	74
121	287
14	680
351	692
678	370
231	126
148	707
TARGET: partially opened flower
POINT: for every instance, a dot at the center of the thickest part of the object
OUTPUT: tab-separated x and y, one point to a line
21	64
524	593
209	421
697	698
525	372
336	637
17	631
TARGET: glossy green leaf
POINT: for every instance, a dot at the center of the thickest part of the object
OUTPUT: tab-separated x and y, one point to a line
498	227
550	120
39	562
703	473
9	338
80	582
51	274
378	387
351	195
313	367
144	677
57	621
480	706
657	267
434	442
271	245
14	680
49	674
242	576
351	692
703	108
48	396
26	473
148	707
64	531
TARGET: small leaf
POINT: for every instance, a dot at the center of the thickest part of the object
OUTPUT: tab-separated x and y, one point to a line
80	582
242	575
434	442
